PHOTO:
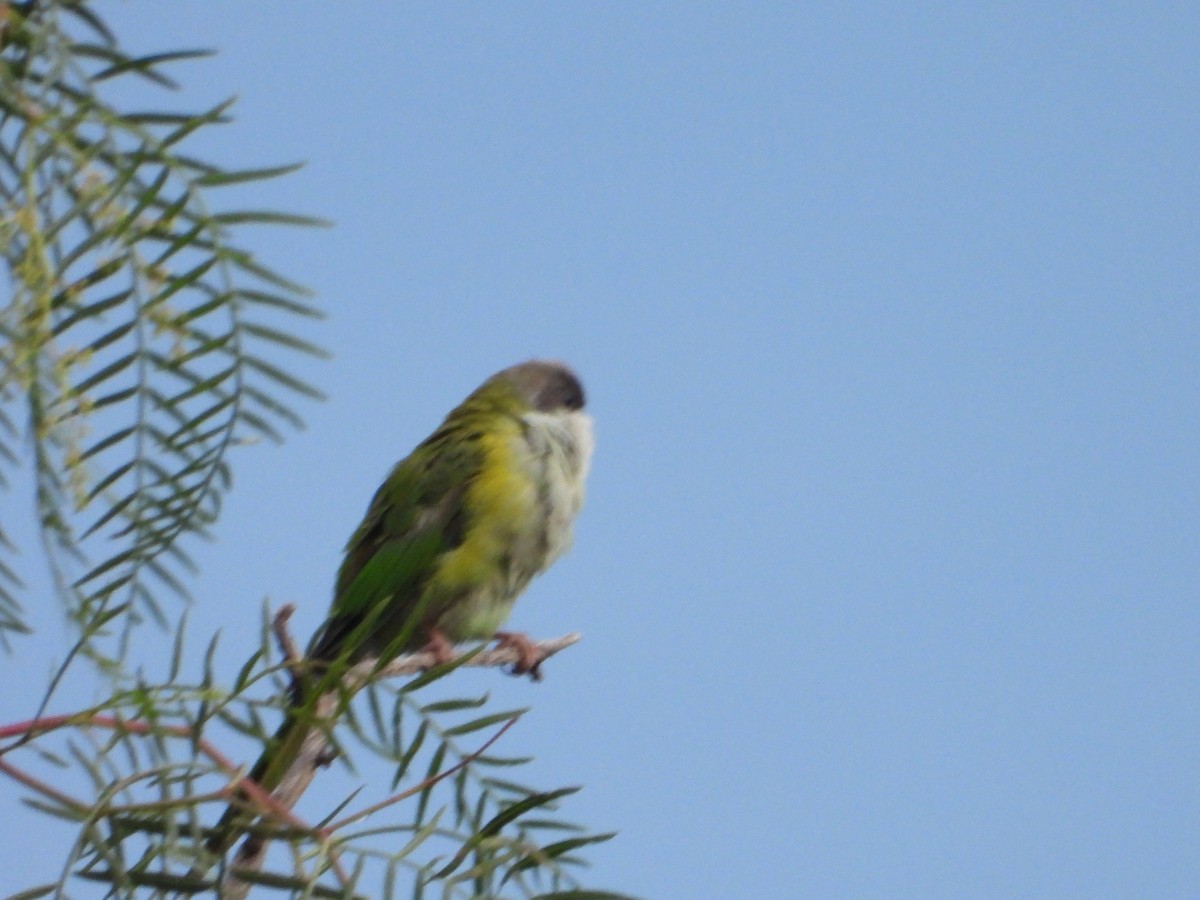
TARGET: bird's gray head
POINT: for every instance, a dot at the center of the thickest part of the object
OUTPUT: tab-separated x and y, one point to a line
554	418
547	387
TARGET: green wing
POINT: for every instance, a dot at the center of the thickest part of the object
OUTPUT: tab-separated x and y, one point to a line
416	516
381	599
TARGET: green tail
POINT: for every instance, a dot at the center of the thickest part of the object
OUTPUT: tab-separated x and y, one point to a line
282	749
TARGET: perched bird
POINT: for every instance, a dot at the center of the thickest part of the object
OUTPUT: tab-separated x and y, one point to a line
455	533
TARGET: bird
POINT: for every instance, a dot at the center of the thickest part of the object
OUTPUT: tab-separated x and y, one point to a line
452	537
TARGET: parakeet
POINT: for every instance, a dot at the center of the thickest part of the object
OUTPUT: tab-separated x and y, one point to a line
452	537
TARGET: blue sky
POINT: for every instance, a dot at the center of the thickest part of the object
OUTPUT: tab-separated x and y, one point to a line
888	318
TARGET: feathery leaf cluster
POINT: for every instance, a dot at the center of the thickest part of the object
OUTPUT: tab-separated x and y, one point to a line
141	342
145	777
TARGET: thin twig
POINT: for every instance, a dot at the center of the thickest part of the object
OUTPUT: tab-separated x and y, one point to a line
42	788
287	647
260	797
419	662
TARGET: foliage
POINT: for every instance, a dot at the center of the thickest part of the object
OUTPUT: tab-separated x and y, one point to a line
138	343
153	777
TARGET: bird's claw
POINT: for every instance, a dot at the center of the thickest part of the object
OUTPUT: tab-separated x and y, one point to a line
438	647
529	655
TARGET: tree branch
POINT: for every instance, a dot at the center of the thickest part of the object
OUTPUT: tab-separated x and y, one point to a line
313	755
314	750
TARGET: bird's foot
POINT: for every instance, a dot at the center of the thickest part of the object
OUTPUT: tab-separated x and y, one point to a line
529	655
440	648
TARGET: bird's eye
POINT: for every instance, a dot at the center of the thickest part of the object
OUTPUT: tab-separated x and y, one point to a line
559	389
572	394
